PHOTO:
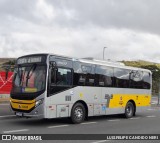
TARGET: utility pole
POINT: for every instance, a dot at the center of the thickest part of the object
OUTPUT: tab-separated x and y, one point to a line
158	90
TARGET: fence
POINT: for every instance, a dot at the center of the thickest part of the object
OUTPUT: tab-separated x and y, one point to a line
5	85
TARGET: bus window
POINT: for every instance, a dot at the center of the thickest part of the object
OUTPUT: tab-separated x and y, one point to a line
101	79
53	76
64	77
136	79
146	80
82	79
121	78
61	79
29	80
104	76
83	75
90	80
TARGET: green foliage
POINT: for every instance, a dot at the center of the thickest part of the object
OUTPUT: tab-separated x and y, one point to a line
7	64
10	62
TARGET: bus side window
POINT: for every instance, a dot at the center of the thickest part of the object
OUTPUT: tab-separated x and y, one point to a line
64	77
90	79
136	79
101	80
82	80
146	80
53	75
76	79
69	78
121	77
104	76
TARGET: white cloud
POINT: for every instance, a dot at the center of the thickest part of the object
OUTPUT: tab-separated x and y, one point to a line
44	10
81	28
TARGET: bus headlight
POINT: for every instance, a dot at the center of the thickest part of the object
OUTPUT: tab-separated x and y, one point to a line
39	102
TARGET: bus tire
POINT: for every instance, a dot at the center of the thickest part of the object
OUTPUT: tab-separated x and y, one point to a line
129	110
78	113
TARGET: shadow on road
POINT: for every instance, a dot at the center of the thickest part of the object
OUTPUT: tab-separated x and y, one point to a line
59	121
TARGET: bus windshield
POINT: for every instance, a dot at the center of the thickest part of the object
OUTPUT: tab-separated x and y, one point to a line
29	79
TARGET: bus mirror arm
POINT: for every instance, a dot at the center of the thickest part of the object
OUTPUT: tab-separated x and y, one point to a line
52	64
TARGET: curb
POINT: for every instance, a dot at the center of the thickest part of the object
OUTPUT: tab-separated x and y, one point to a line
4	98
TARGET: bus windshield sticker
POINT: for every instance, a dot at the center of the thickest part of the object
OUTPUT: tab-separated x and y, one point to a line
26	89
136	75
103	108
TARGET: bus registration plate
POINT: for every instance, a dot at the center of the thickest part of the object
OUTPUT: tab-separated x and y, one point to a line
19	114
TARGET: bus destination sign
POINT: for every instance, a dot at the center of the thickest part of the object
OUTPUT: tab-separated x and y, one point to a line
27	60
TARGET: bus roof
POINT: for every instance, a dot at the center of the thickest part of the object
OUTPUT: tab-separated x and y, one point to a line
93	61
112	64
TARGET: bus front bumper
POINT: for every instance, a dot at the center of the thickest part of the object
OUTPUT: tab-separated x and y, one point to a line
37	112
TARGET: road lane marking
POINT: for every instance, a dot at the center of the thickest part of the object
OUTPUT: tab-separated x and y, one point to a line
58	126
101	141
151	109
113	120
154	102
88	123
135	118
7	116
152	116
14	131
155	97
4	104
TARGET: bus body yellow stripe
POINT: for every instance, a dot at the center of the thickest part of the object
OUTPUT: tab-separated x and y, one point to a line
120	100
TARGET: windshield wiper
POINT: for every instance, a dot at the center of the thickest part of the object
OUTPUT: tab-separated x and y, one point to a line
19	74
33	67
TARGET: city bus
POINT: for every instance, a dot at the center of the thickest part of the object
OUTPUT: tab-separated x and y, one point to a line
54	86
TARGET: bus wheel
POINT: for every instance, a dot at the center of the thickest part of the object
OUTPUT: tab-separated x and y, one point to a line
78	113
129	110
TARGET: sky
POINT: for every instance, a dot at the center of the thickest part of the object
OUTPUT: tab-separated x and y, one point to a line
81	28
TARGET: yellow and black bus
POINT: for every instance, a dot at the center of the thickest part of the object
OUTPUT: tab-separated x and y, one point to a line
54	86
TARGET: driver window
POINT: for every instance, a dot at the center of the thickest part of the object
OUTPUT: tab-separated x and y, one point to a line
64	77
61	77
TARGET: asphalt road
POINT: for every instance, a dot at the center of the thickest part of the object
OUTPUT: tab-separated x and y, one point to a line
147	122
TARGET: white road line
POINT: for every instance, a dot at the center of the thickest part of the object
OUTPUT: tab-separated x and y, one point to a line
101	141
4	104
114	120
13	131
58	126
7	116
88	123
135	118
151	109
154	103
152	116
